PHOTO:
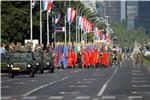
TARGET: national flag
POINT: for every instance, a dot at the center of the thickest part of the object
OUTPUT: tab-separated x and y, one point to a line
64	57
69	13
47	5
73	14
57	18
33	3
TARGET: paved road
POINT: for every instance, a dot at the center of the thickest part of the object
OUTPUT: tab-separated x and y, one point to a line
114	83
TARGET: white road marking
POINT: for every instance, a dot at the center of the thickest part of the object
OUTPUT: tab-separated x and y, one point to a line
82	97
135	97
7	80
105	85
95	99
89	79
136	71
142	81
143	85
70	92
40	87
33	80
138	78
143	92
36	89
108	97
135	74
5	97
5	87
20	83
81	86
56	97
84	82
30	97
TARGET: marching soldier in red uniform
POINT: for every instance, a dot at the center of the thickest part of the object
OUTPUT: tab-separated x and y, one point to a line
105	59
69	60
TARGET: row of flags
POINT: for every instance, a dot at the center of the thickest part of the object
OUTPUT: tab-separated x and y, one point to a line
82	22
71	13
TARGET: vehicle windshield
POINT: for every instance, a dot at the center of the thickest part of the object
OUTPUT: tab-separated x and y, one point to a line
20	56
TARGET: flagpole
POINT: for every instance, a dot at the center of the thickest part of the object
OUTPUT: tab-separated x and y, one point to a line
65	26
40	22
69	27
76	28
65	31
31	20
47	28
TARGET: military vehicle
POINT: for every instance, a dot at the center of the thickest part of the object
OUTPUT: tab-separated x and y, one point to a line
48	62
20	63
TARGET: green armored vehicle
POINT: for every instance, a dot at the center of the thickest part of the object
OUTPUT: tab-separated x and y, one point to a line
48	62
39	63
4	61
20	63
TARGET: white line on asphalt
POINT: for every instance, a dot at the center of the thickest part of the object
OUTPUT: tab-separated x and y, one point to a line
33	80
5	97
143	85
95	99
40	87
4	87
81	86
138	74
20	83
135	97
108	97
30	97
105	85
142	81
56	97
7	80
89	79
36	89
70	92
84	82
136	71
143	92
82	97
140	78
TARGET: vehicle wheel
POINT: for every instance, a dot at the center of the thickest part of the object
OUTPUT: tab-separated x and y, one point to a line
41	71
10	75
31	74
52	70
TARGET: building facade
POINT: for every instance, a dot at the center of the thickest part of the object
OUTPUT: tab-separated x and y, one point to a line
110	8
144	15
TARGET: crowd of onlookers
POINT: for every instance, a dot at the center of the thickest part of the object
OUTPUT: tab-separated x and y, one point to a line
27	47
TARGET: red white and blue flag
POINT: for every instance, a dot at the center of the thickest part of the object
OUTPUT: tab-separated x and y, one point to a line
33	3
57	18
71	13
47	5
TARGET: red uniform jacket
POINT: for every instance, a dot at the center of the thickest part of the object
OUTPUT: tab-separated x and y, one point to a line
105	58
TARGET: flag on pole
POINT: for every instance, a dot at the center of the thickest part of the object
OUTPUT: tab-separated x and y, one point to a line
47	5
69	14
57	18
33	3
73	14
